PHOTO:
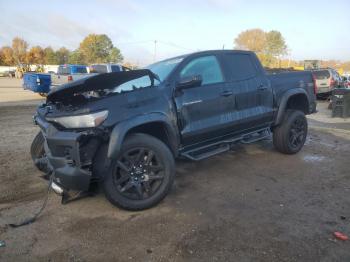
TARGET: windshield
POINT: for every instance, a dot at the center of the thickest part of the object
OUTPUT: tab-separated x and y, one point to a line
164	68
134	84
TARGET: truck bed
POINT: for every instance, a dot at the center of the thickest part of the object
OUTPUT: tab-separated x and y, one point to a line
281	82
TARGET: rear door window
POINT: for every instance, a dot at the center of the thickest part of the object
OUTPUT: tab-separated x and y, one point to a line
321	74
79	70
115	68
240	66
207	67
63	70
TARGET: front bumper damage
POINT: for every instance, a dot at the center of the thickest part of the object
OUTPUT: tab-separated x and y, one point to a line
69	155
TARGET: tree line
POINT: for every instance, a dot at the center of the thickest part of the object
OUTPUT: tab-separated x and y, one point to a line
271	47
95	48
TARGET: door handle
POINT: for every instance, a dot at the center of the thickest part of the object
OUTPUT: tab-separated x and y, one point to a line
227	93
262	87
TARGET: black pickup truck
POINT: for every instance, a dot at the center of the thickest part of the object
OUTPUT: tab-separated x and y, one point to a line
125	129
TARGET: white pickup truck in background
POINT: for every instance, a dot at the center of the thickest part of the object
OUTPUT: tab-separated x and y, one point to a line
107	68
68	73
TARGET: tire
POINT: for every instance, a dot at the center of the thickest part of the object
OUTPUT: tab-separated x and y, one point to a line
37	151
290	136
142	174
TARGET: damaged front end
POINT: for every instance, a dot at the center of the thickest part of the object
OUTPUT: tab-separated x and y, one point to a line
75	123
69	154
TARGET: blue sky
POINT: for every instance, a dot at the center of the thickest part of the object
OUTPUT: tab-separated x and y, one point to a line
312	29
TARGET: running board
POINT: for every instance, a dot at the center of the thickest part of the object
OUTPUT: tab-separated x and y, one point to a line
251	138
221	146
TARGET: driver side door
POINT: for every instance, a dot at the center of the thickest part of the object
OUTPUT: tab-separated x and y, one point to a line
201	109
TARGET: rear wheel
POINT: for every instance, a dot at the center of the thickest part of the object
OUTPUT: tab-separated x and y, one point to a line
290	136
142	174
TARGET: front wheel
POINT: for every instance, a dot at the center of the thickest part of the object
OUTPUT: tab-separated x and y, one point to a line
290	136
37	151
142	174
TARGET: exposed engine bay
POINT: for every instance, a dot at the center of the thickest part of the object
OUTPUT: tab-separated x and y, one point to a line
101	85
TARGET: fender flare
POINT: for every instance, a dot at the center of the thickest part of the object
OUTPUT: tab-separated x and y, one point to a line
284	100
120	130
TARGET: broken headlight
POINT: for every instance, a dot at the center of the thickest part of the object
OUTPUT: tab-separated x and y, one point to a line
81	121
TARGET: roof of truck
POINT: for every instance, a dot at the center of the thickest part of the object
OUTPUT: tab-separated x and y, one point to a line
208	52
72	65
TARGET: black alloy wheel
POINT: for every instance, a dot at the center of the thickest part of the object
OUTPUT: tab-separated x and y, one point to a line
289	137
139	173
142	174
297	132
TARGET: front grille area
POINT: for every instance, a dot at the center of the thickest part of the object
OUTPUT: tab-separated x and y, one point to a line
87	151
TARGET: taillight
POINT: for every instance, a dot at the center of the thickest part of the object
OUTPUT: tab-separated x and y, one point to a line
315	85
70	78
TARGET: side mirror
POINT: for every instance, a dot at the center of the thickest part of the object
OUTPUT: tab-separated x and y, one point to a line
189	82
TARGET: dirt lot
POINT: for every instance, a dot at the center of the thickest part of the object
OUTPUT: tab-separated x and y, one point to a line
251	204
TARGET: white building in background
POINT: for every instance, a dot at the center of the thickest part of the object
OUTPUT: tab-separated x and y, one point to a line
7	68
51	68
47	68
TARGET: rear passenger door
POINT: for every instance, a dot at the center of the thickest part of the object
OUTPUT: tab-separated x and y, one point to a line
201	109
252	92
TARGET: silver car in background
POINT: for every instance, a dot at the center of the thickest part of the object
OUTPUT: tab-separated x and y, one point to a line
326	81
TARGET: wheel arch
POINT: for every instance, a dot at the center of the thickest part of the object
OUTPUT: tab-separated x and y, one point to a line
155	124
297	99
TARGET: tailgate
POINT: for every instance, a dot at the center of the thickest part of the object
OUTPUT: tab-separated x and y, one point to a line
59	79
81	76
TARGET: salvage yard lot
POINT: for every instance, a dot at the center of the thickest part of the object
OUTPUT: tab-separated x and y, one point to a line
250	204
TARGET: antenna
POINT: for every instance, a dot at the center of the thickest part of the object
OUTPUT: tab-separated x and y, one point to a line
155	50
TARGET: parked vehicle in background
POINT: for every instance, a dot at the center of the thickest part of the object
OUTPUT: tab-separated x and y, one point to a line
68	73
125	129
37	82
326	80
9	73
107	68
346	80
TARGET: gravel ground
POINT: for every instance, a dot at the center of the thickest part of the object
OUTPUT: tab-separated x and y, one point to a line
250	204
12	93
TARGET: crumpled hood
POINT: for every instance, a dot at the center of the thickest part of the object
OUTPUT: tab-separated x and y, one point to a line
97	82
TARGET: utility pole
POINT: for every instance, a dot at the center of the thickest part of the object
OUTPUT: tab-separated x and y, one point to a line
155	50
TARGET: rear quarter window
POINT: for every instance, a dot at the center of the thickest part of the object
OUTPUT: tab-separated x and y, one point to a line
98	69
322	74
240	66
